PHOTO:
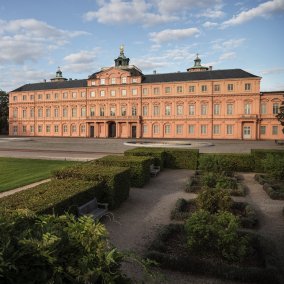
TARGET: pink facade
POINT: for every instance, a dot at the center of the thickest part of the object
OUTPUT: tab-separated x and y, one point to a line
122	102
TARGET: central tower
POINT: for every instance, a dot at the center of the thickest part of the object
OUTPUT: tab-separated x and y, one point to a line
121	60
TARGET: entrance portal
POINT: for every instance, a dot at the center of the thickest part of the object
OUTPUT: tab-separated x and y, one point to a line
247	132
111	130
133	131
92	131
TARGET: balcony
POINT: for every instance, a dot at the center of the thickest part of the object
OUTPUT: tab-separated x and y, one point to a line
108	118
249	116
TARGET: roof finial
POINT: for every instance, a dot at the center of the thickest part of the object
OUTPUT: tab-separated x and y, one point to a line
197	55
121	49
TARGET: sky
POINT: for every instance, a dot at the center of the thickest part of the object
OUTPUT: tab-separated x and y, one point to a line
82	36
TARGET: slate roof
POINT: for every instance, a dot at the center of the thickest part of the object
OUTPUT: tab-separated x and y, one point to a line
132	71
153	78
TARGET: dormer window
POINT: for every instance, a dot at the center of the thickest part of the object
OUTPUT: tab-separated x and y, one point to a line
93	83
123	80
103	81
113	81
134	80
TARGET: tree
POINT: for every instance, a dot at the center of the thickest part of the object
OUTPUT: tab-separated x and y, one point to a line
4	112
280	115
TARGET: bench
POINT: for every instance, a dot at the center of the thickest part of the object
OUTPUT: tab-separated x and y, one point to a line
154	170
94	209
279	142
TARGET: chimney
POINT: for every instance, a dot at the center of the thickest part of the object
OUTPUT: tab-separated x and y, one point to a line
210	68
155	72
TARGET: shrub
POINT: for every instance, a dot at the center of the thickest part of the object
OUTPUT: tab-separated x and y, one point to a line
158	154
50	249
56	196
181	210
116	180
227	163
216	233
139	167
181	158
208	180
274	166
225	182
214	200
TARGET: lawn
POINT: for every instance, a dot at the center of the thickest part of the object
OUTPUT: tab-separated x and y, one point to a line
15	173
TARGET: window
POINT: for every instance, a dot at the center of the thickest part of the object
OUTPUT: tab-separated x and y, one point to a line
24	97
203	129
65	128
83	94
203	109
263	108
216	88
123	111
204	88
93	83
74	128
216	129
14	98
168	110
39	112
167	90
179	128
74	95
56	112
39	97
56	128
39	128
102	111
92	111
123	92
191	109
156	91
134	111
56	96
216	109
15	130
83	128
47	112
92	94
230	109
113	81
179	109
102	93
145	110
274	130
156	128
65	96
74	112
191	89
24	114
262	129
191	129
247	109
24	129
47	128
112	93
83	111
167	129
134	92
32	128
31	97
247	87
134	80
179	89
145	91
65	112
102	81
230	87
275	108
15	113
123	80
112	111
145	129
156	110
32	112
230	129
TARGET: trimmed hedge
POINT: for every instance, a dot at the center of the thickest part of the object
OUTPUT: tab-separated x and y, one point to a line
261	154
139	167
56	196
158	154
181	158
188	262
116	180
226	162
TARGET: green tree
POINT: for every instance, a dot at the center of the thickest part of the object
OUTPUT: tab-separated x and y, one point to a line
4	112
280	115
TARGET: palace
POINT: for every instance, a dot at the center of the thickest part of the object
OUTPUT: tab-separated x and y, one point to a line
122	102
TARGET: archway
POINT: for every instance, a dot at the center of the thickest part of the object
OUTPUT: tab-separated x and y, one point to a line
111	129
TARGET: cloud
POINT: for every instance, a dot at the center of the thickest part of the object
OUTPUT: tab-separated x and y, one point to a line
229	44
276	70
28	39
209	25
261	10
213	14
173	35
227	56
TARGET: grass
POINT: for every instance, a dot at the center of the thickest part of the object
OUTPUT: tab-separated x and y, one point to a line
15	173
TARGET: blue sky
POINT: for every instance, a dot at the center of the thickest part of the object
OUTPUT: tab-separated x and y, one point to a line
81	36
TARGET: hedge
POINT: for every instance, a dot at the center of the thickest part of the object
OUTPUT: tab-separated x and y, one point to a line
158	154
116	180
181	158
139	167
261	154
55	196
227	162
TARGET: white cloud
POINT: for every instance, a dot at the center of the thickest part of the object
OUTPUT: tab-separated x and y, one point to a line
261	10
229	44
209	25
213	14
276	70
172	35
227	56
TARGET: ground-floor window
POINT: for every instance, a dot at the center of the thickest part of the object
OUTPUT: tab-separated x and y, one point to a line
167	129
262	129
32	128
56	128
216	129
274	130
24	129
203	129
191	129
230	129
179	129
15	130
145	129
47	128
74	128
156	129
83	128
65	128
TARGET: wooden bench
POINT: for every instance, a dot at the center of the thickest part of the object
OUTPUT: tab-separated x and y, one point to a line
94	209
154	170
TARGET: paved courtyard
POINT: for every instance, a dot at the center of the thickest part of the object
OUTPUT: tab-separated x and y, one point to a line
90	148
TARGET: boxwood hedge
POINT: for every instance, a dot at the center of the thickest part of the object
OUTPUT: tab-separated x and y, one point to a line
181	158
139	167
116	180
55	196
